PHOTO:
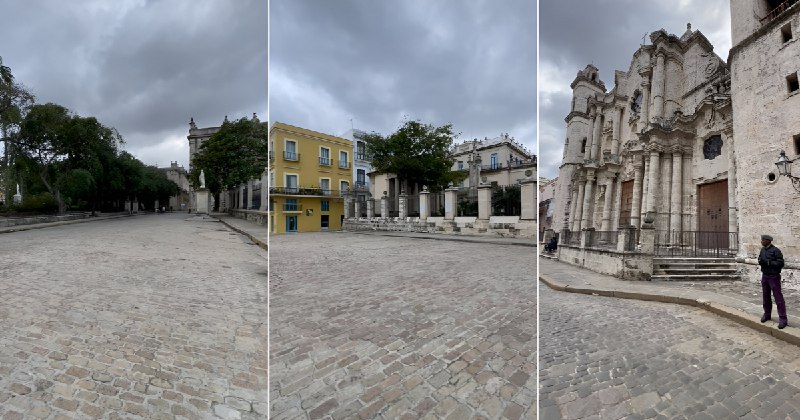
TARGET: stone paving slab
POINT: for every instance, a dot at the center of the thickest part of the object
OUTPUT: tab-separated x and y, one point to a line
33	226
739	301
374	326
143	317
257	233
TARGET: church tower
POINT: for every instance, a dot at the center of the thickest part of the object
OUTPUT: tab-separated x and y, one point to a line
577	148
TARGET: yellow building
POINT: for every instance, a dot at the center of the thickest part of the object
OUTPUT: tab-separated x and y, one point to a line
308	172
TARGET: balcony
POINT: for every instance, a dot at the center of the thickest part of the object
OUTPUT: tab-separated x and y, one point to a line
291	207
344	165
291	156
492	167
361	156
311	191
325	161
777	11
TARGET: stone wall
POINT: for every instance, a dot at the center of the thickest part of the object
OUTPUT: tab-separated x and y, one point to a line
625	265
19	221
256	216
498	226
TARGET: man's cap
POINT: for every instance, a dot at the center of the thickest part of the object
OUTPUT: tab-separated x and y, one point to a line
767	237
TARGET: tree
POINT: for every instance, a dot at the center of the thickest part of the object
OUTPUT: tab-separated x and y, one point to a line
417	153
15	99
234	155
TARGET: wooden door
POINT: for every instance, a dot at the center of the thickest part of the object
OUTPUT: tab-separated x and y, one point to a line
626	203
712	215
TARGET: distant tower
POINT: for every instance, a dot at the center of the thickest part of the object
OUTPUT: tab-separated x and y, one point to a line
579	121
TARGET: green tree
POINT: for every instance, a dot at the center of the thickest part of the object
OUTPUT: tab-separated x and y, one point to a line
234	155
417	153
15	99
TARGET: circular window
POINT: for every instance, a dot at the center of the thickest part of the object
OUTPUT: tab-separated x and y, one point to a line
771	177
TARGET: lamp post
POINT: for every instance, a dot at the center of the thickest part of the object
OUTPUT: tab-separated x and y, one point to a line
785	168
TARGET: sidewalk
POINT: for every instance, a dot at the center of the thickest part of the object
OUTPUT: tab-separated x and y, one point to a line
450	237
739	301
20	228
256	233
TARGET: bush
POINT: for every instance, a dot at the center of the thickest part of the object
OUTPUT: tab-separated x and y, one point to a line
37	203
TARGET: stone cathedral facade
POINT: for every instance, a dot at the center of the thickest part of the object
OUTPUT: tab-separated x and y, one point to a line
683	148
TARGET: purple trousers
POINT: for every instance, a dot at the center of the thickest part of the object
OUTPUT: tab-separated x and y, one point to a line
771	285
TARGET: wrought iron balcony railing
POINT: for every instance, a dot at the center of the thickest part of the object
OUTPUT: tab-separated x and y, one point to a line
291	156
325	161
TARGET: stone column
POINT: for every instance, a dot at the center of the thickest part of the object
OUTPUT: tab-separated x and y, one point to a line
576	224
616	133
586	218
644	117
666	187
606	224
658	88
370	208
675	205
241	196
590	137
402	211
264	192
356	209
528	196
733	217
598	133
636	204
652	182
615	208
384	206
484	202
572	208
347	199
250	187
424	204
450	197
645	186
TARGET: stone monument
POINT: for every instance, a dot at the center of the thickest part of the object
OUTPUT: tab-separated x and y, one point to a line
201	195
17	196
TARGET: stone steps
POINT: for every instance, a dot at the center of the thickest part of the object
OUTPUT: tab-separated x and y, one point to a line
694	269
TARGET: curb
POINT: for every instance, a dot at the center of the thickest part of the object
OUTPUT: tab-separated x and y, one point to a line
790	334
22	228
255	240
444	237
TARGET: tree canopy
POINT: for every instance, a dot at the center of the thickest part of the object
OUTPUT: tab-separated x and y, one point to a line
417	153
234	155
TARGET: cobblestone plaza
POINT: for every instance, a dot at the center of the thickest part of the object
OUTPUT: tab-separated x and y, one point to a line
370	326
139	317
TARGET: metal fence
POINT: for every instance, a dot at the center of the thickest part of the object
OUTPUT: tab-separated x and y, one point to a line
467	205
507	200
437	204
696	244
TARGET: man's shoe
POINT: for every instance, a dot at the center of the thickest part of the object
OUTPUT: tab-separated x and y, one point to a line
765	318
782	325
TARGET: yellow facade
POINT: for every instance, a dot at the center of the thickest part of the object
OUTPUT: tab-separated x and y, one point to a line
307	170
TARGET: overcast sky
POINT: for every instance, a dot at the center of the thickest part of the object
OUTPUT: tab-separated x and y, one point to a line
142	66
471	63
606	33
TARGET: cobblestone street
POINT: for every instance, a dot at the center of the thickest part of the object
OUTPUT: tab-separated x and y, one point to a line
370	326
151	316
616	358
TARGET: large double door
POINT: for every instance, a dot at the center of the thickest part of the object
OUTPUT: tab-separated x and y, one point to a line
712	216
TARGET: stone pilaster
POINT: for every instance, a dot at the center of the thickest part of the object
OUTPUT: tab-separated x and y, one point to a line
450	197
653	182
590	137
644	117
598	132
347	200
384	206
528	196
484	202
616	132
264	191
586	215
576	225
401	205
636	202
356	209
370	208
658	88
675	205
424	204
606	223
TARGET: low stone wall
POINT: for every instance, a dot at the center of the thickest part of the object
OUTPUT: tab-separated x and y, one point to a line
32	220
256	216
499	226
749	270
625	265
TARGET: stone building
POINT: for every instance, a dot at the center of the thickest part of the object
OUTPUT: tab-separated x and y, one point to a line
500	160
178	175
680	154
547	192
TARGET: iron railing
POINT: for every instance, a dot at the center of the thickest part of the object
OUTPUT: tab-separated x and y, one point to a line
777	11
570	237
696	244
292	207
325	161
291	156
302	191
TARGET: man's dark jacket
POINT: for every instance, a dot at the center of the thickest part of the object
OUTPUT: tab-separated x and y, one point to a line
770	259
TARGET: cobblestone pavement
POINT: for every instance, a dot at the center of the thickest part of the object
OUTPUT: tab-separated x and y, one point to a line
607	358
370	326
155	316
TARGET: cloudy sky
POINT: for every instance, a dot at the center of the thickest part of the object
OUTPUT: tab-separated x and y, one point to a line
470	63
606	33
142	66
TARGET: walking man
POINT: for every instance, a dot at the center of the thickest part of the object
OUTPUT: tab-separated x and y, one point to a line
771	261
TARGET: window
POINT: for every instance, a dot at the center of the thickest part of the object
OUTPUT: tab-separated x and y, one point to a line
361	150
344	186
291	205
786	32
291	184
326	205
796	144
361	177
460	165
325	186
343	161
583	145
324	156
791	82
290	152
493	161
712	147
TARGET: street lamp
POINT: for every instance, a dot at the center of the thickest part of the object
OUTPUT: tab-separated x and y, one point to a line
785	168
